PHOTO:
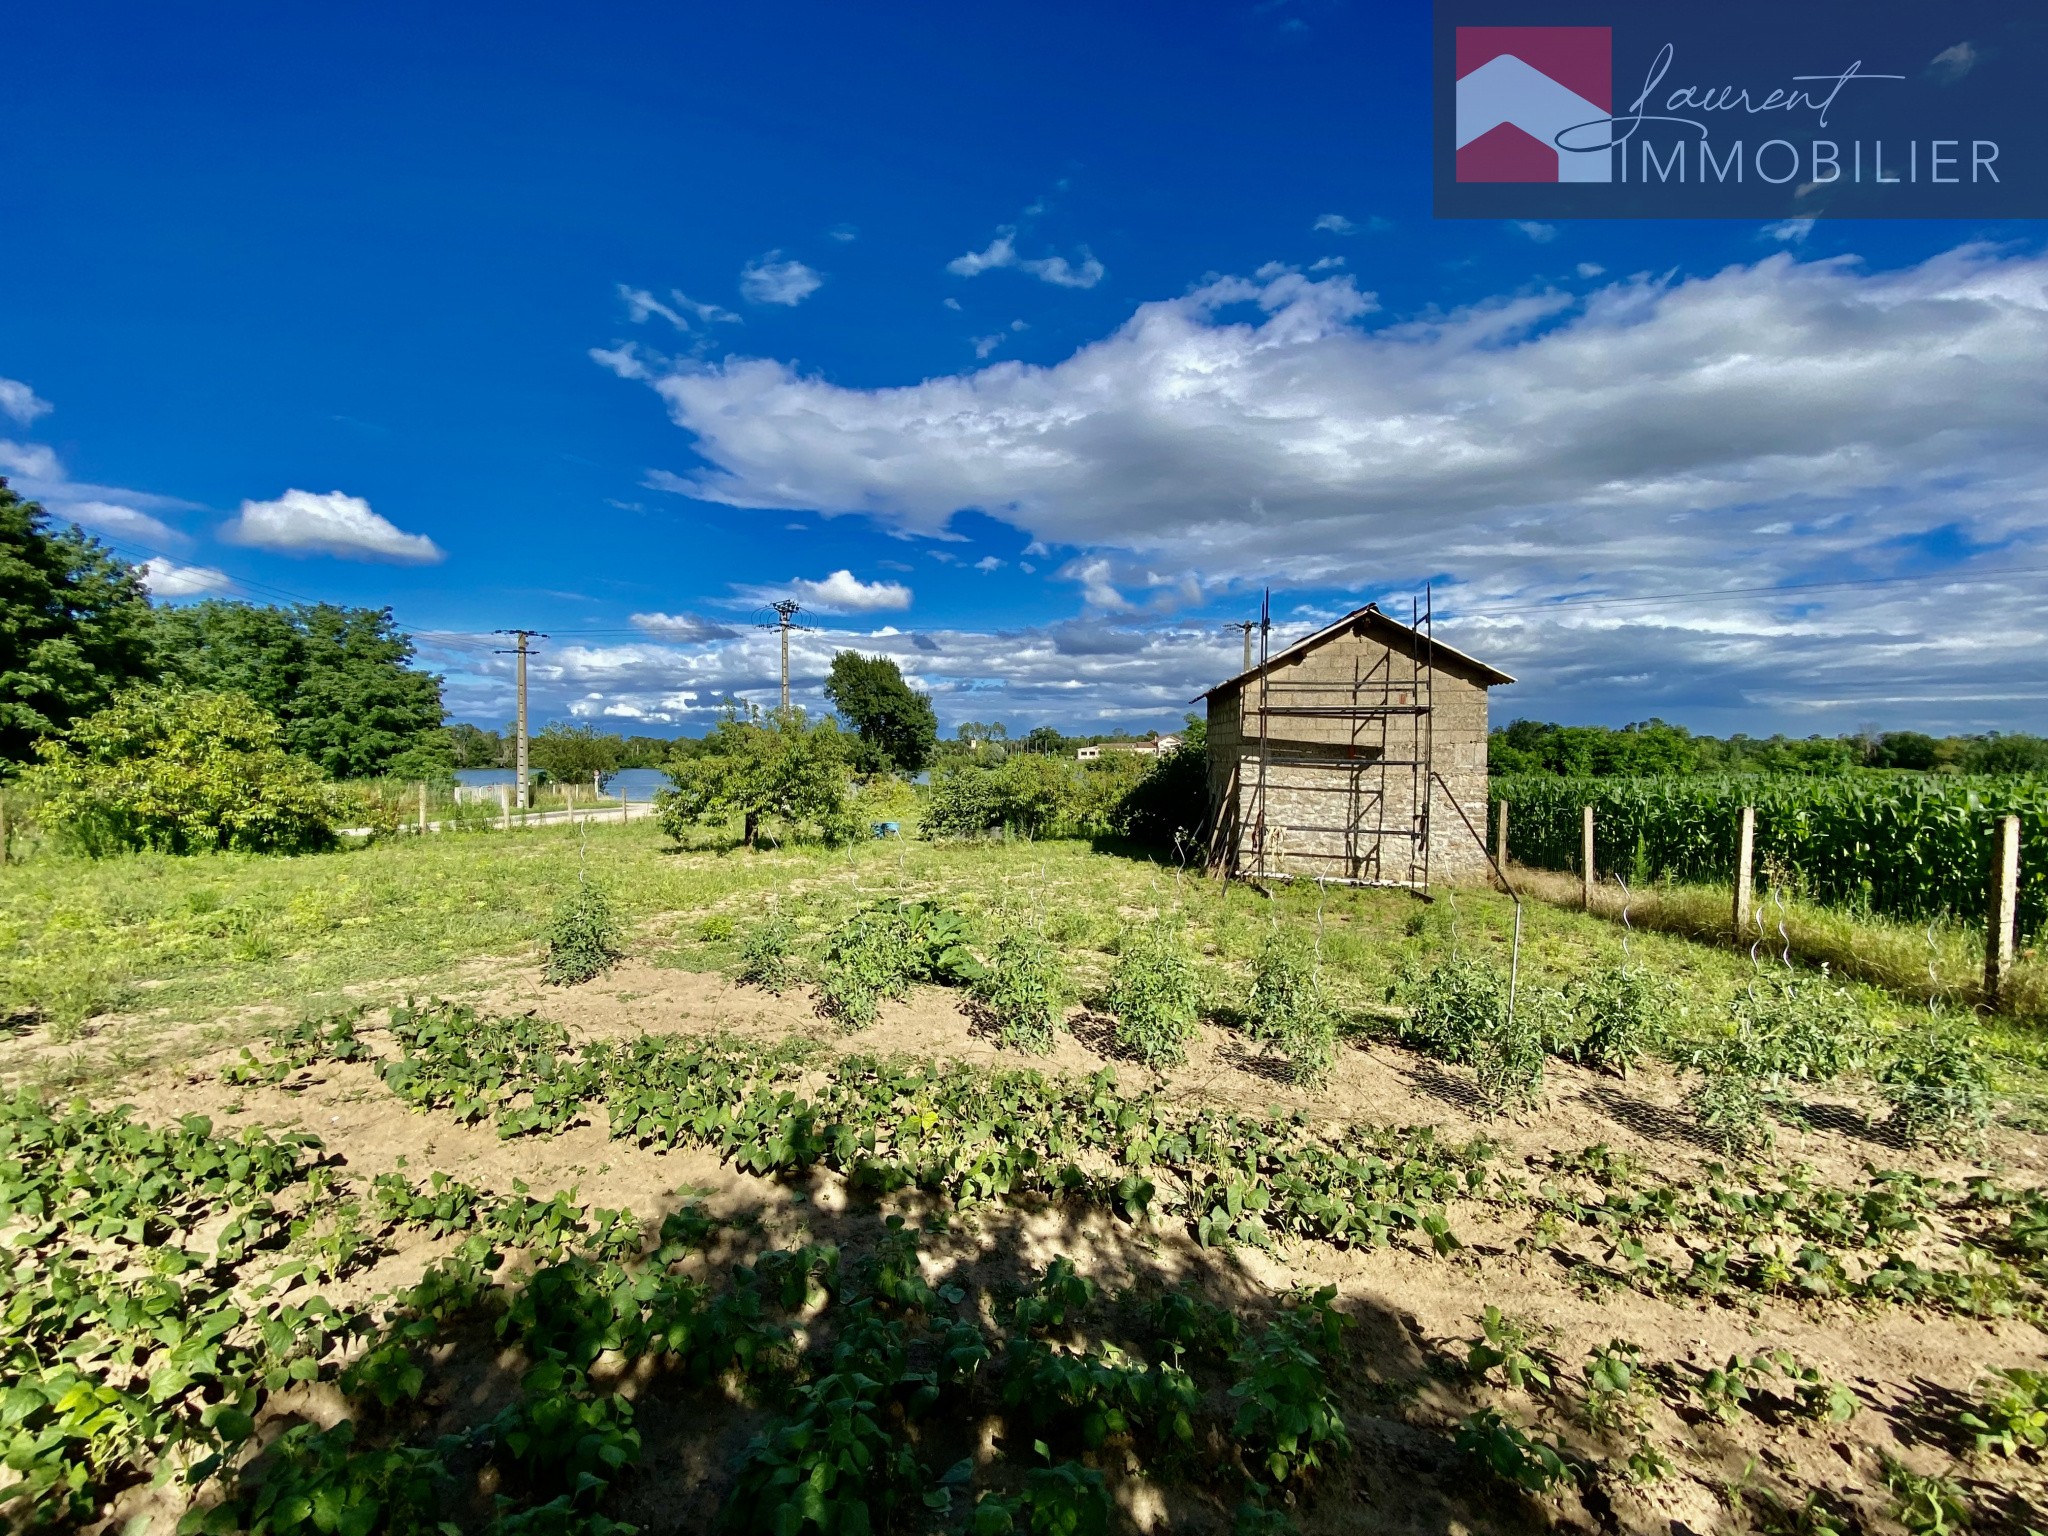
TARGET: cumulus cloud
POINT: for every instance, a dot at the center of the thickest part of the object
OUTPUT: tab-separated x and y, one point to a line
989	563
774	279
1536	230
35	471
168	579
1591	269
683	628
1788	231
21	402
1334	223
1764	424
841	592
303	523
1002	252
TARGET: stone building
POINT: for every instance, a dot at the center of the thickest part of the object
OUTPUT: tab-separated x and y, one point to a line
1350	755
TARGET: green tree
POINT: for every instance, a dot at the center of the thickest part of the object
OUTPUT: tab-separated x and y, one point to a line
339	680
74	626
181	772
471	746
570	754
758	767
1043	738
895	721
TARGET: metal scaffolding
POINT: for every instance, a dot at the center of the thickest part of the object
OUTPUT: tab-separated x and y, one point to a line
1350	776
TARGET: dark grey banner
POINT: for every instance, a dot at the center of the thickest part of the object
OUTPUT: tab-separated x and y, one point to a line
1558	109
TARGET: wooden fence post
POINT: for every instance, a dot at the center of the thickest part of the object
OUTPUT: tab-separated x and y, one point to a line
1745	855
1500	834
2003	916
423	807
1586	871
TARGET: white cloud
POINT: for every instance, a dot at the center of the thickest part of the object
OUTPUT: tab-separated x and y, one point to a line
841	592
983	345
1335	223
1788	231
21	402
30	461
683	628
1623	441
121	522
302	523
640	304
1002	252
1952	63
950	302
989	563
1590	269
168	579
775	280
1536	230
844	232
1326	264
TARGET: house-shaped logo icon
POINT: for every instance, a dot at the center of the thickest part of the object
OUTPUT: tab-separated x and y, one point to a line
1521	87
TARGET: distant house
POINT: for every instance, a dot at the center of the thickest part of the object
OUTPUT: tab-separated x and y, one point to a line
1355	754
1158	746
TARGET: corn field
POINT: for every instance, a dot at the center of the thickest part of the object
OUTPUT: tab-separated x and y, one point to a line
1891	844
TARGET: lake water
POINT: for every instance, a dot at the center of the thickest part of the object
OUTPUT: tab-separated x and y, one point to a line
639	783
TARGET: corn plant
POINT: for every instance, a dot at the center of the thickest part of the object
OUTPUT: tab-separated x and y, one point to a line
1286	1010
1154	994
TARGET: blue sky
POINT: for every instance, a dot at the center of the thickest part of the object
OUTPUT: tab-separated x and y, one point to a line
1060	332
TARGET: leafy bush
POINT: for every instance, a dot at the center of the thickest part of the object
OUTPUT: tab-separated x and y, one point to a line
1155	996
1064	1500
1021	992
1801	1030
1730	1103
180	773
1031	794
1610	1019
1511	1454
1286	1010
1508	1344
1288	1422
882	949
321	1480
767	954
1169	806
1453	1006
1939	1088
1510	1061
583	936
2013	1416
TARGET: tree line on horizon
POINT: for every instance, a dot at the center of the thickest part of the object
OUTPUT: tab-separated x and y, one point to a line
1656	747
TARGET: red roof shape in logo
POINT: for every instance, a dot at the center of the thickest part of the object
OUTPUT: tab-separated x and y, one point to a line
1518	88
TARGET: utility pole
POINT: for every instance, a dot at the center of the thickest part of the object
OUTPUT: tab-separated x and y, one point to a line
1246	626
785	620
522	636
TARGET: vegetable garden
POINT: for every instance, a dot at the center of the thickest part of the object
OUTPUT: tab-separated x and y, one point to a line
919	1207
